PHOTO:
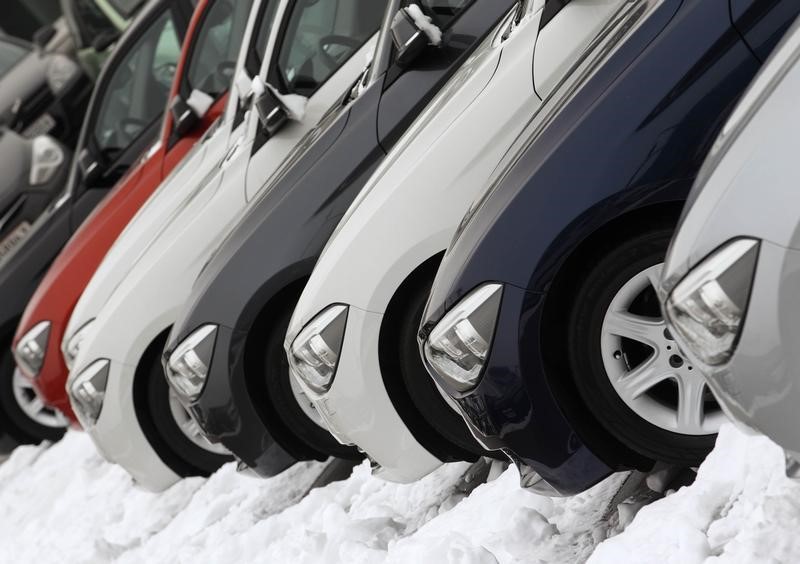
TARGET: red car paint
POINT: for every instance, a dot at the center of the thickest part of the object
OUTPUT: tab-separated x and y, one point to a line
62	286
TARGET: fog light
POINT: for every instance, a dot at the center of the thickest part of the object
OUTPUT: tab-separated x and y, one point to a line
71	347
706	309
88	390
31	349
187	367
314	354
458	346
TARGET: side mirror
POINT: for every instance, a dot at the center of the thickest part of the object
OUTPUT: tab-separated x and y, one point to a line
271	113
43	36
104	40
89	167
184	119
409	39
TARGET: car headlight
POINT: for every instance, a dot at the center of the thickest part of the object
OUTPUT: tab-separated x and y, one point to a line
187	367
88	390
32	347
706	309
70	347
60	72
459	344
47	156
314	354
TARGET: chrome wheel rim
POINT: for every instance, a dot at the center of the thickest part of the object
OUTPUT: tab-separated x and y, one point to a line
648	370
189	427
33	406
305	403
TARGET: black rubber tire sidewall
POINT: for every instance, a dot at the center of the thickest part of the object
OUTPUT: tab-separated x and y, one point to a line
282	402
601	283
192	460
16	423
422	389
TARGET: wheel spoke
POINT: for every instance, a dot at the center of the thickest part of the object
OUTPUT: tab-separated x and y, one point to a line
643	378
36	404
691	395
637	327
654	275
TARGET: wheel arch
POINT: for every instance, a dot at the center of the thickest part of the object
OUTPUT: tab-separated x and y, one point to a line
557	300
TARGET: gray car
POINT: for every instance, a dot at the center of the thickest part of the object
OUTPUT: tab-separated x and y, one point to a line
731	282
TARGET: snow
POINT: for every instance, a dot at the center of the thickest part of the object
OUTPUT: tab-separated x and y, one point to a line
65	503
425	24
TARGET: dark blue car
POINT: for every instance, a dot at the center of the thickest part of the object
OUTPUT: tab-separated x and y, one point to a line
543	324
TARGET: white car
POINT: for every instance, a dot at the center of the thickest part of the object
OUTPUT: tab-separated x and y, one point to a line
378	267
122	320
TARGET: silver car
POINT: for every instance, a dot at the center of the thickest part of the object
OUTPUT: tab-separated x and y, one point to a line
731	282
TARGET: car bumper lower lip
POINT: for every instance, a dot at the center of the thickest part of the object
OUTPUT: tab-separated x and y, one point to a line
513	408
226	412
119	437
758	386
357	409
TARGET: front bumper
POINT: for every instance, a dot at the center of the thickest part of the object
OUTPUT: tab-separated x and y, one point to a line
357	409
226	412
513	408
119	436
760	385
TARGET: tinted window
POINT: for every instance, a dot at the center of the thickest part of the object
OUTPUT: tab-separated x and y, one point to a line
444	11
91	20
126	7
217	46
10	55
321	36
138	88
260	37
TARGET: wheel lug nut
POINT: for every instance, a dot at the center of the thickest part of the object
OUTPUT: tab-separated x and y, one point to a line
617	355
675	361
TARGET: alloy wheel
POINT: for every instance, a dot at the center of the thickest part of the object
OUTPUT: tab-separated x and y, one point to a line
189	427
33	406
646	367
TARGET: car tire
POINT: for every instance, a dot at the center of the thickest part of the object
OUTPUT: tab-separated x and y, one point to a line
184	456
283	403
587	337
455	442
20	427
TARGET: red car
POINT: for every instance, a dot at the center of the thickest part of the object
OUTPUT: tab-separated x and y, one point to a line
203	74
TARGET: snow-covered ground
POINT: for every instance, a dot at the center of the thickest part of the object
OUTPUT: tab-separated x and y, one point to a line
65	504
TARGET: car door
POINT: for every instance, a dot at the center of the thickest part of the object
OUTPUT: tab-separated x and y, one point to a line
128	107
319	50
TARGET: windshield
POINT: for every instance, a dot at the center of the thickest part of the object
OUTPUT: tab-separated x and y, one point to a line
91	21
10	55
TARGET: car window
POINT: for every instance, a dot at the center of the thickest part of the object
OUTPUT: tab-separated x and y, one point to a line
258	46
126	7
217	46
92	22
10	55
138	88
321	36
444	11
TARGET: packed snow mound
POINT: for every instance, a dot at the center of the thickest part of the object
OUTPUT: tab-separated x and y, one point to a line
66	504
741	508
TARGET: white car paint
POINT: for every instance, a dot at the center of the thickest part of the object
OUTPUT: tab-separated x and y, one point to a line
137	292
412	206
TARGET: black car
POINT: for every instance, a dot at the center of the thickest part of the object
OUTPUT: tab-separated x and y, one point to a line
124	119
249	288
576	375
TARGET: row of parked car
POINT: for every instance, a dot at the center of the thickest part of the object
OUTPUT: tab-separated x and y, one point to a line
417	231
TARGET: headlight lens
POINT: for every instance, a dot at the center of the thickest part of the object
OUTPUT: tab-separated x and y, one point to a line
706	309
32	347
187	367
71	347
60	71
314	354
458	346
88	391
47	157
